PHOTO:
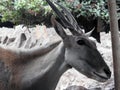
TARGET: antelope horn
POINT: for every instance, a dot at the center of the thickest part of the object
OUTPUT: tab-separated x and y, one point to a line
70	18
88	34
66	18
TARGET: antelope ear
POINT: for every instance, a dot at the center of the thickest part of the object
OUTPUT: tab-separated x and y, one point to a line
88	34
58	28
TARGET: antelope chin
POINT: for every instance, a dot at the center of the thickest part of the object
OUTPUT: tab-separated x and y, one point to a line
100	77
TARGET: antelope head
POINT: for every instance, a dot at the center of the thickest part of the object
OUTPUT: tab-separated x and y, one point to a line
80	52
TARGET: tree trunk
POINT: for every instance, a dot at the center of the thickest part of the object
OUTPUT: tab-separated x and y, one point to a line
115	41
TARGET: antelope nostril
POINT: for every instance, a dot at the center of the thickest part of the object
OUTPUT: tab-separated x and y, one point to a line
108	72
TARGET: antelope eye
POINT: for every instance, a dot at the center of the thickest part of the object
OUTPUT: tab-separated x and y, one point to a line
81	42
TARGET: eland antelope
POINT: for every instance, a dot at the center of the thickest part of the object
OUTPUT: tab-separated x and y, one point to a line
40	68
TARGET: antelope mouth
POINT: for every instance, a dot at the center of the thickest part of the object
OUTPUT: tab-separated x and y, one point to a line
103	78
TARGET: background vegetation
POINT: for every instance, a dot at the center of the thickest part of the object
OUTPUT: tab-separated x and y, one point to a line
38	11
24	11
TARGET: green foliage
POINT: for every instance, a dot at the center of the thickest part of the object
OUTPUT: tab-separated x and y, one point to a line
22	11
32	11
87	8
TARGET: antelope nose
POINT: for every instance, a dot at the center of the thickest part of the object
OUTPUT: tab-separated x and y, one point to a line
107	72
